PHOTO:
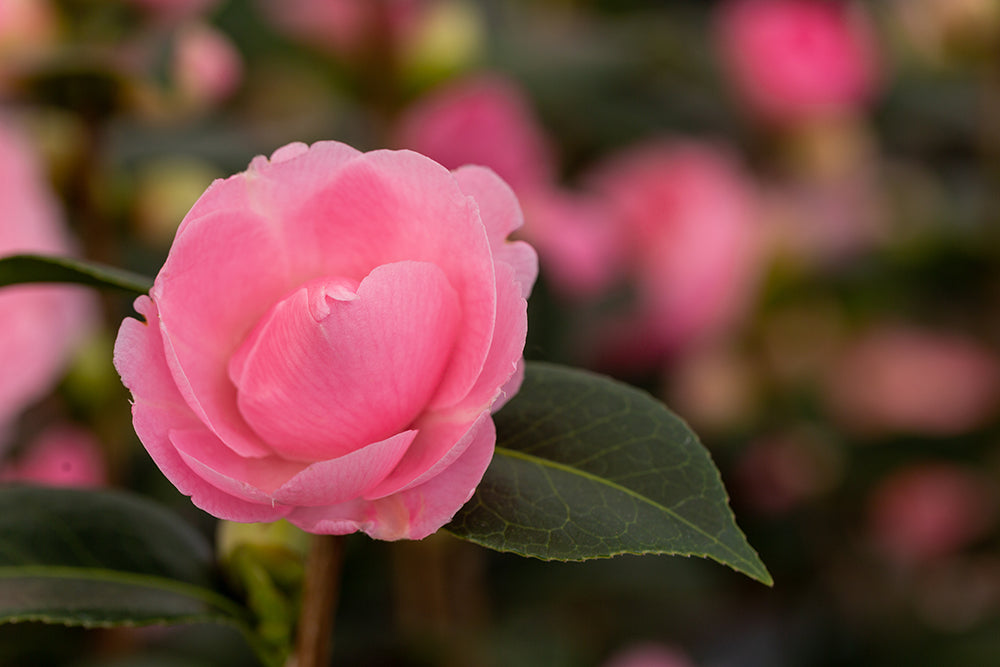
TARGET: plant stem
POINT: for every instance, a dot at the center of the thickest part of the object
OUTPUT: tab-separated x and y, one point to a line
321	588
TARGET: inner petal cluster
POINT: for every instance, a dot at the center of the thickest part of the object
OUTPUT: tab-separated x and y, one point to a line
337	365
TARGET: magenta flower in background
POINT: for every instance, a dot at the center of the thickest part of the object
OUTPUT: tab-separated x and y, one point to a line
206	66
795	60
899	379
39	324
328	338
687	214
579	245
346	28
928	510
484	120
60	456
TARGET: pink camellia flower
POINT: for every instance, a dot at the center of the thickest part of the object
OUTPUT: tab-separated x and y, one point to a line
483	120
206	65
928	510
39	324
687	212
898	379
793	60
61	456
328	337
578	243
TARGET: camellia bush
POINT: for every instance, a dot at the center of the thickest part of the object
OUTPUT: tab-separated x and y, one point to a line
343	332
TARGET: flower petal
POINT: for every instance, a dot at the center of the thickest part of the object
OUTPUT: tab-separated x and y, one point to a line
330	370
412	514
350	476
501	214
158	407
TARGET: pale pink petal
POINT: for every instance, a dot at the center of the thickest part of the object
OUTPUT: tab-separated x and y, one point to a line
350	476
434	503
508	343
391	206
253	479
440	441
510	387
342	519
498	205
313	169
220	277
331	370
501	214
412	514
158	407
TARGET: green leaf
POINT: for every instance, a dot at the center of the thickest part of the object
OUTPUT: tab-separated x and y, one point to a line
16	269
104	559
588	467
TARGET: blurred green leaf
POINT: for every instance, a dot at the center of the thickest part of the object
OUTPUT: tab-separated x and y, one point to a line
588	467
105	559
16	269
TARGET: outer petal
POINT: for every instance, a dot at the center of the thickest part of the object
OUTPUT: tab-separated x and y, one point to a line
501	214
158	407
508	343
220	276
439	442
412	514
348	477
312	169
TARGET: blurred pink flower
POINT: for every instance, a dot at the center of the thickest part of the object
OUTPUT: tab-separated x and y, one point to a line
61	456
778	473
485	120
347	28
25	24
578	245
28	28
898	379
928	510
649	654
795	60
38	323
688	214
207	67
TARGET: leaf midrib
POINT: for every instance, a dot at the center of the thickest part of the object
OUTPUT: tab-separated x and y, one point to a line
600	480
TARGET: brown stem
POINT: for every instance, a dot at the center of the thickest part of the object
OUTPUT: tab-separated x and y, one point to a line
321	588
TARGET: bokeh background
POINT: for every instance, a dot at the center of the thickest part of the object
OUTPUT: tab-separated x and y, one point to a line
780	216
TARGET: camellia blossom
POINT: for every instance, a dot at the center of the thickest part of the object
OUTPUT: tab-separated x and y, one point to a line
793	60
484	120
902	379
61	456
39	324
206	66
687	213
928	510
328	338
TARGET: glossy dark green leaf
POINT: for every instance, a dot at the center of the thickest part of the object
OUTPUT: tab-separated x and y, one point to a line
16	269
103	559
587	467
